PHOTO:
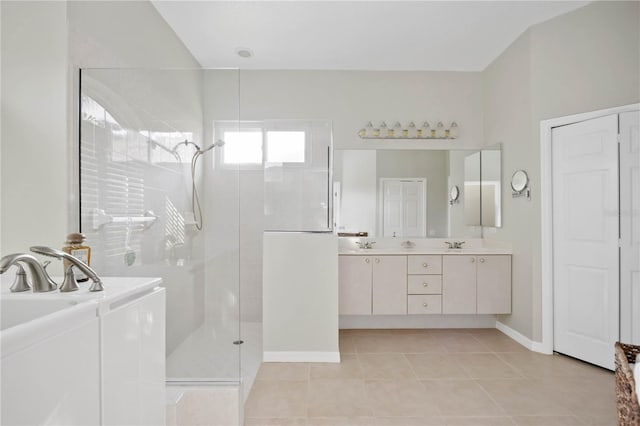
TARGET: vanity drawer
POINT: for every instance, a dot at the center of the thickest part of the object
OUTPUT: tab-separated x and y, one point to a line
424	264
424	304
424	284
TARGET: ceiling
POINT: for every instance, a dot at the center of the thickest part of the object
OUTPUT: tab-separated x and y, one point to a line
354	35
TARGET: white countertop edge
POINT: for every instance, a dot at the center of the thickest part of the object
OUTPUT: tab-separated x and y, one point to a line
418	251
89	306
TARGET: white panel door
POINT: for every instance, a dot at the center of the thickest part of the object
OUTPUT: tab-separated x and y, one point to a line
413	209
630	227
403	207
392	208
585	239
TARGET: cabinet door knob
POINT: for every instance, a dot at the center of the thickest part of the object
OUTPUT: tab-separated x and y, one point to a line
367	260
481	260
425	285
472	260
425	304
377	260
425	264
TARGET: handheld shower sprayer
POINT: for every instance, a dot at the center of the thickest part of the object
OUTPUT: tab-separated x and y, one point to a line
195	199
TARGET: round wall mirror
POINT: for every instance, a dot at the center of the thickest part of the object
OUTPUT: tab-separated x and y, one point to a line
454	193
519	181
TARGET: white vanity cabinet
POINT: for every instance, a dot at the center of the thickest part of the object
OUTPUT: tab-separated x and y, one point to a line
476	284
373	285
389	285
425	284
459	284
133	361
493	284
55	381
355	273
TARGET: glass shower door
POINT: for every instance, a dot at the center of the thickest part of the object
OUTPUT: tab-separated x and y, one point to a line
140	133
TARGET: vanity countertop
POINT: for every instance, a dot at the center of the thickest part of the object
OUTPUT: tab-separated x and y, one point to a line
423	250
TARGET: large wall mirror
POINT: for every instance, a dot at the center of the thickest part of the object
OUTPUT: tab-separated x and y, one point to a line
407	193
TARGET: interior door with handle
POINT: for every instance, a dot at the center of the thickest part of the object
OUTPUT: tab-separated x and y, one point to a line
630	227
585	239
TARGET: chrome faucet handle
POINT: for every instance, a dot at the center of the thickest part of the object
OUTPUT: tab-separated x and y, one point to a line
359	244
449	244
458	244
59	254
69	283
21	282
41	281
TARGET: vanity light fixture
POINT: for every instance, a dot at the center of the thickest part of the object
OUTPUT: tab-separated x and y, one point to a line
409	131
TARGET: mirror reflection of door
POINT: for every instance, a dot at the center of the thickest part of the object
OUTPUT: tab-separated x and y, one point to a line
404	207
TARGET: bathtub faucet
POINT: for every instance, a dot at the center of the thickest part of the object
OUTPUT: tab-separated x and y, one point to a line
42	282
69	281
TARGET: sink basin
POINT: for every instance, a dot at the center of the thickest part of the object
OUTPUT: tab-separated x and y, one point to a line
15	311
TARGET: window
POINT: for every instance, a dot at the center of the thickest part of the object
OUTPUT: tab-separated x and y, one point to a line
242	147
285	146
252	144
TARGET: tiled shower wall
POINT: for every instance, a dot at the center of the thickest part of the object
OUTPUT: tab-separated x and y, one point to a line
127	174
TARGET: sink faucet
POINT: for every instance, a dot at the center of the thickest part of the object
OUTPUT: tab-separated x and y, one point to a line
366	244
69	281
42	282
455	244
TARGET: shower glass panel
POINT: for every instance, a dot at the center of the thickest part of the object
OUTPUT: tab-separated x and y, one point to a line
147	184
297	176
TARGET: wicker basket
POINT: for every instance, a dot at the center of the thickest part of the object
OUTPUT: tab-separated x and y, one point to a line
626	397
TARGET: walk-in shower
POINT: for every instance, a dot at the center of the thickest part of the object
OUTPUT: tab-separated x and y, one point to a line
183	183
144	146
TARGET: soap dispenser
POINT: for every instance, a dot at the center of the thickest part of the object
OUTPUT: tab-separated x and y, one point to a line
75	247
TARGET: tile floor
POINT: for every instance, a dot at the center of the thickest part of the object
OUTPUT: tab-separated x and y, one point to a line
433	377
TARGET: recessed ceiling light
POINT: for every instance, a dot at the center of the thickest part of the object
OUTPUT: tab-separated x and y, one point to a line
244	52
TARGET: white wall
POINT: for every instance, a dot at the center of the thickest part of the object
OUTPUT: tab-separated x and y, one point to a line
301	297
352	98
34	126
585	60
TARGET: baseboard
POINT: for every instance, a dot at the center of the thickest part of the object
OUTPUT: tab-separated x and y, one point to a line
291	356
417	321
521	338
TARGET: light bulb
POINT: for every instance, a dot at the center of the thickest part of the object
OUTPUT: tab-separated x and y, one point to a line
426	130
376	132
397	130
453	130
439	130
383	130
412	132
368	130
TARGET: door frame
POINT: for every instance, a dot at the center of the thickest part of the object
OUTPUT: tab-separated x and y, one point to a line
546	207
381	202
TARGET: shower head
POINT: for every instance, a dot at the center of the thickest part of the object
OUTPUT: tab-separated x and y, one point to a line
218	143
